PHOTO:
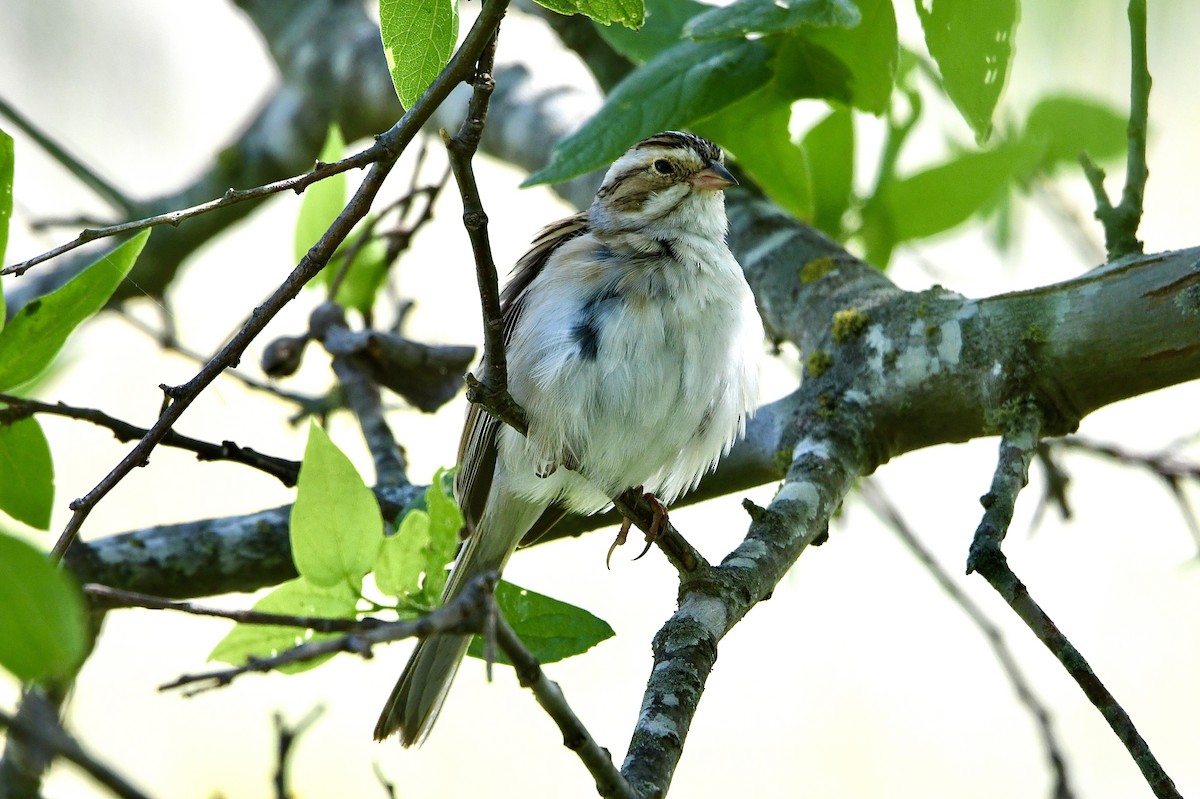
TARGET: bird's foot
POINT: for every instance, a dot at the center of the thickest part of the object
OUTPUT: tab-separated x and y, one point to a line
660	517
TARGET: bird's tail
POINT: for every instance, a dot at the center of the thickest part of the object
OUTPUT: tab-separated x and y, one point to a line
417	698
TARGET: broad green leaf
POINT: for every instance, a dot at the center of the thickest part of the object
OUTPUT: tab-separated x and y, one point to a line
755	132
7	160
404	556
38	331
972	43
1060	128
26	473
771	16
664	27
830	148
936	200
630	13
43	625
945	196
550	629
856	66
680	85
298	597
425	542
418	40
323	200
336	527
366	275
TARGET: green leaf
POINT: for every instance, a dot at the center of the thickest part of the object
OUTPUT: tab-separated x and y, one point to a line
936	199
1060	128
418	39
755	132
27	485
945	196
7	161
830	146
630	13
972	43
43	625
856	66
323	200
404	556
39	330
412	562
771	16
663	28
550	629
336	527
680	85
298	597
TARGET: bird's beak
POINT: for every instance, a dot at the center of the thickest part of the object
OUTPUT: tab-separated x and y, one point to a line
714	176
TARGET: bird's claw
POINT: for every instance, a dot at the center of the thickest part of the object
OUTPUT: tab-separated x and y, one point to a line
660	516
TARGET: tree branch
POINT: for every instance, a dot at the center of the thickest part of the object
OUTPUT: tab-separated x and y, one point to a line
283	470
47	733
466	613
883	508
1017	449
597	760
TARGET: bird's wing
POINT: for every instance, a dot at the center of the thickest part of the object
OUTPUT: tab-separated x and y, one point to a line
477	449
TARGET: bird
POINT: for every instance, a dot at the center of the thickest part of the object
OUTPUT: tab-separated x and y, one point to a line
632	341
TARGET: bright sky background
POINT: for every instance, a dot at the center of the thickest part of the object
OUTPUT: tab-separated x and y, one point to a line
858	679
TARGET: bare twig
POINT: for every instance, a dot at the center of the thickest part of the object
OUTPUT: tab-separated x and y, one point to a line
109	597
168	342
87	176
51	735
1017	449
595	758
283	470
362	397
1121	221
388	786
466	613
374	154
393	142
879	503
287	736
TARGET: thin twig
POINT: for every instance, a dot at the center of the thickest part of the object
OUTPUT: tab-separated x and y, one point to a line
595	758
287	737
466	613
55	738
461	148
1121	222
169	343
1017	449
883	507
109	597
283	470
362	397
374	154
87	176
393	142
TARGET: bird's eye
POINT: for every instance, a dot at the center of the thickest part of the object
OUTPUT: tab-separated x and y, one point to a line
663	166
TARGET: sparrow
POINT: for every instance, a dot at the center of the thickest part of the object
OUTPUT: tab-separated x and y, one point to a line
632	342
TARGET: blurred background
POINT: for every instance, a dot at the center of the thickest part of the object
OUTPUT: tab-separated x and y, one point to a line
858	678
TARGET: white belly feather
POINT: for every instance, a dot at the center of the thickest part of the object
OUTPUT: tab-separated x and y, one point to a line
625	391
